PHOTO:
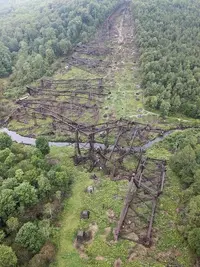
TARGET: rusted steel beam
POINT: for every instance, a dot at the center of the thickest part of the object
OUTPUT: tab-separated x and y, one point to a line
70	80
146	188
77	147
43	102
148	241
142	166
116	141
131	190
109	128
131	146
163	178
55	116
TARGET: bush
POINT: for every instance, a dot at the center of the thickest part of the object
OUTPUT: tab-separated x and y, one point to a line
43	145
30	237
7	257
194	240
12	223
5	141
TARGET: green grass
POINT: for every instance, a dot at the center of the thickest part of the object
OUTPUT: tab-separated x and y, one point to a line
158	152
42	126
170	240
122	101
67	255
98	203
108	196
75	73
70	217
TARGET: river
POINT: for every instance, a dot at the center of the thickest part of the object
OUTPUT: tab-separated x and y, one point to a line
31	141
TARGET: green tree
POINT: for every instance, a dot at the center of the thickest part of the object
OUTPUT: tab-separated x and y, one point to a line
152	102
175	103
19	175
43	145
63	180
5	141
7	257
26	194
196	184
44	185
7	202
12	224
50	56
184	164
4	154
30	237
65	46
193	211
10	160
2	236
164	108
5	61
9	183
194	240
197	152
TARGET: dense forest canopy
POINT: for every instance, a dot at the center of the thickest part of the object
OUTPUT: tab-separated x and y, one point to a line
186	164
35	34
32	185
168	36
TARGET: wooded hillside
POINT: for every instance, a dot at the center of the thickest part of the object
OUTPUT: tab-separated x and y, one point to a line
34	35
168	36
32	187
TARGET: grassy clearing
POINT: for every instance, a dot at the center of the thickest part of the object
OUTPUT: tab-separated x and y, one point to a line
170	243
70	217
122	101
159	152
108	198
75	73
43	126
67	255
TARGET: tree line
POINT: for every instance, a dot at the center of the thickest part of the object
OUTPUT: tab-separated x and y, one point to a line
32	187
186	164
168	37
33	36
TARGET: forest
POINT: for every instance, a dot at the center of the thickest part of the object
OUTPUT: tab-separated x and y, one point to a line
33	36
168	38
32	187
186	165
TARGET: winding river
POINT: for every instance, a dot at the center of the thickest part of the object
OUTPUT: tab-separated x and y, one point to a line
31	141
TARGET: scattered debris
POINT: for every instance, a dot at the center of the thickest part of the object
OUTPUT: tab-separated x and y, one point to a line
117	263
83	236
90	189
85	214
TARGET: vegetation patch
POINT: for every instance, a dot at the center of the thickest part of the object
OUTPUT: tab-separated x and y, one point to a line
33	185
167	37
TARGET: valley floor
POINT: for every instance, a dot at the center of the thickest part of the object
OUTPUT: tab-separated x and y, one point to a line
121	82
126	100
